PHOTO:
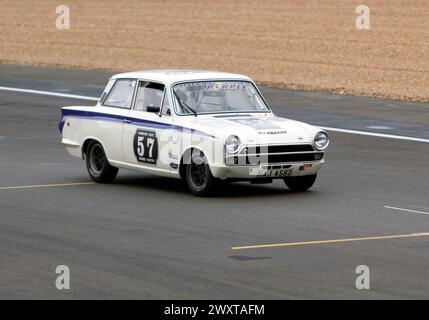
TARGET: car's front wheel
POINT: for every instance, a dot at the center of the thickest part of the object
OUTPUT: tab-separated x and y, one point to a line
97	164
300	183
198	176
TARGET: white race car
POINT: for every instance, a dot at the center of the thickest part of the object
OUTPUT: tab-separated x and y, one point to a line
203	127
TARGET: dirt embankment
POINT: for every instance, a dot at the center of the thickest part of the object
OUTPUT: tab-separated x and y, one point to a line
302	44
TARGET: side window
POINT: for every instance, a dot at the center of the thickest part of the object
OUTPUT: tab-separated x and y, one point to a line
149	94
121	94
166	106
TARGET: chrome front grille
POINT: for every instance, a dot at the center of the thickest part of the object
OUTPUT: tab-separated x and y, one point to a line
271	154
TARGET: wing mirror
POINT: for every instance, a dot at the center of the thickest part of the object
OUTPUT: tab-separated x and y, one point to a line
153	109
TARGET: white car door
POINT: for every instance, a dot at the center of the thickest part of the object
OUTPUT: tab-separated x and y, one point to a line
146	133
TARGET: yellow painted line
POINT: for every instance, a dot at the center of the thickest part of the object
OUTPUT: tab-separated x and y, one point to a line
47	185
291	244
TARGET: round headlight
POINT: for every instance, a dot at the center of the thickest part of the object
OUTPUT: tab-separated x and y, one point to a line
232	144
321	141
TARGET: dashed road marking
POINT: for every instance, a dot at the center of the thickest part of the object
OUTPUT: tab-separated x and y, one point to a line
380	127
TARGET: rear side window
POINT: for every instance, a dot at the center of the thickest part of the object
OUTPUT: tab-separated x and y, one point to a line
121	94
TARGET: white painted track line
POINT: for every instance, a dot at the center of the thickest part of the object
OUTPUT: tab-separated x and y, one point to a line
363	133
375	134
49	93
406	210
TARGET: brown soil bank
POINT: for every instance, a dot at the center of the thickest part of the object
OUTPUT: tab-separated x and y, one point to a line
308	44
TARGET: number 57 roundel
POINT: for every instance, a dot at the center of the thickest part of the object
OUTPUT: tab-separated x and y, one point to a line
146	146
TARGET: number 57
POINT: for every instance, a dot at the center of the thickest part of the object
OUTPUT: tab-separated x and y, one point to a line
141	146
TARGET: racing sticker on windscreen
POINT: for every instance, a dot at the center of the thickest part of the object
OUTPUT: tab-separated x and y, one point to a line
146	146
255	123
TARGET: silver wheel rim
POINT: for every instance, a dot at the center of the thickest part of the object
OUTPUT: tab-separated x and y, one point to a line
198	171
198	175
97	160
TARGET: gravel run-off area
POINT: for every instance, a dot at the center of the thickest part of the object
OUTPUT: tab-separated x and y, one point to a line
310	44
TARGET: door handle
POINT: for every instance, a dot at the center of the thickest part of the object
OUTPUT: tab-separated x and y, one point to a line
126	121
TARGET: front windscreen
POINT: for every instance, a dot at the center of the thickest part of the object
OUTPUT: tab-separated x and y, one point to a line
218	97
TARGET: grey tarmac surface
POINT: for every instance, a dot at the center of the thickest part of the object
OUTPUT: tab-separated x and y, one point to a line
147	237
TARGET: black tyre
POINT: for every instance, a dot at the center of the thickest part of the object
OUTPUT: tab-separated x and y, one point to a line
97	164
300	183
198	176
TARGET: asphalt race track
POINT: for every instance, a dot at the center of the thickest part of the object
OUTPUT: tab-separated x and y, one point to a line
148	237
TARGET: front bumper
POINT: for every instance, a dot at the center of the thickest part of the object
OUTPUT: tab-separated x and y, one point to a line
257	171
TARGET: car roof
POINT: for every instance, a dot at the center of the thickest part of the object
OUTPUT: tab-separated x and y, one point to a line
169	76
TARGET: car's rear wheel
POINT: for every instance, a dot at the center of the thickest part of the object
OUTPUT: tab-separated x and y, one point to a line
300	183
97	164
198	176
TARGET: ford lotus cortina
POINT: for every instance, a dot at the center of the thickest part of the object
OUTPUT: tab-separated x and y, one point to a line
200	126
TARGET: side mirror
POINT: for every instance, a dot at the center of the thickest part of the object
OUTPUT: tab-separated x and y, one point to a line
153	109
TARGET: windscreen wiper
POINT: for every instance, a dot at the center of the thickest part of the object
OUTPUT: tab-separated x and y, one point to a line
183	103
